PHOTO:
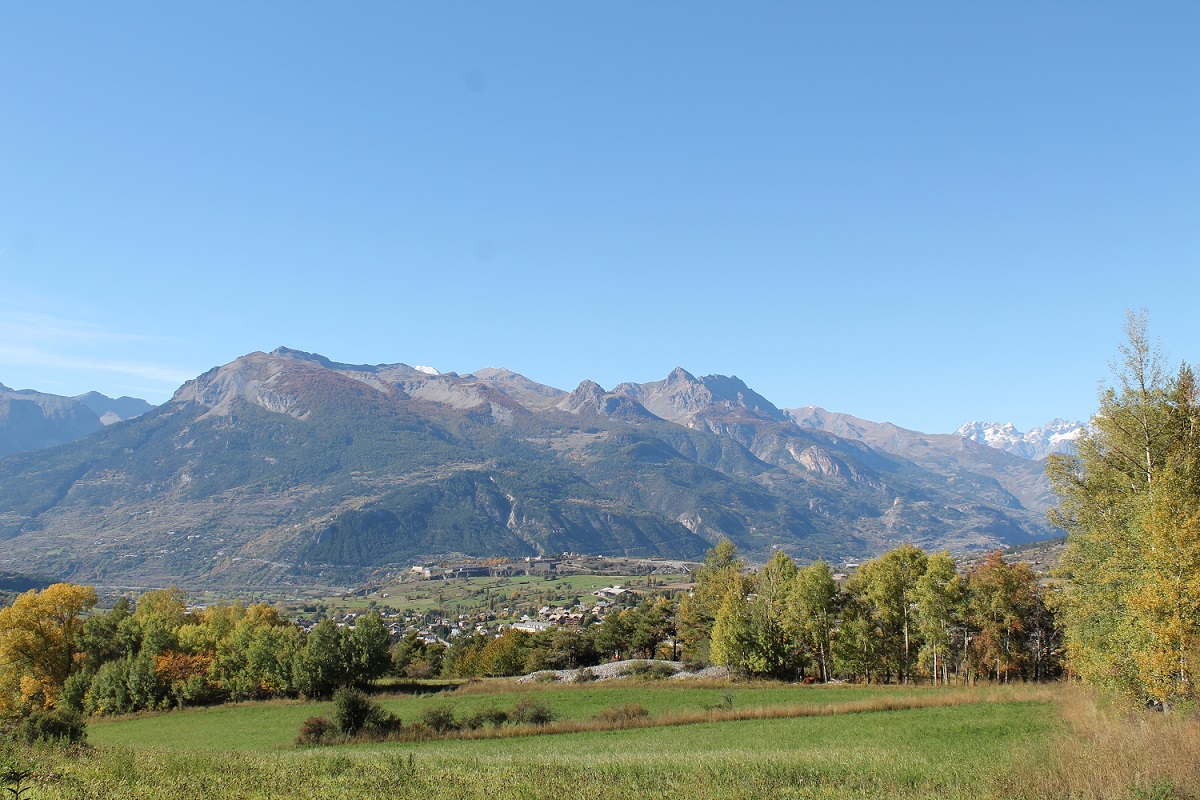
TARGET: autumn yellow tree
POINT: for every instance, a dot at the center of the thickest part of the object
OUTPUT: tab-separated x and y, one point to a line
1130	502
38	643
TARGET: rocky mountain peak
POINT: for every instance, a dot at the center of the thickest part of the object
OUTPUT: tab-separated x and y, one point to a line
1056	436
590	398
525	391
681	396
680	375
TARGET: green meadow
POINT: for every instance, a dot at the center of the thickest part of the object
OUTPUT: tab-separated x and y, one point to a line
798	742
273	725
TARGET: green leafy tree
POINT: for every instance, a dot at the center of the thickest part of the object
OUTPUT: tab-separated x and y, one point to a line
100	640
613	638
733	644
811	614
856	643
505	654
368	647
159	615
889	585
320	668
940	597
652	625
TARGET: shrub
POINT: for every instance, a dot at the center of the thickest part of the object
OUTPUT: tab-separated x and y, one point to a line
546	677
351	710
58	725
648	670
315	730
724	704
354	714
419	670
489	715
440	720
622	714
74	692
530	712
584	675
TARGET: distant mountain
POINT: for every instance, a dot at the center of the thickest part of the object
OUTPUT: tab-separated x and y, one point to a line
111	410
995	474
1057	436
287	467
31	420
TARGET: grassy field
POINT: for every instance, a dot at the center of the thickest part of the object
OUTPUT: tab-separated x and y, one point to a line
825	742
273	725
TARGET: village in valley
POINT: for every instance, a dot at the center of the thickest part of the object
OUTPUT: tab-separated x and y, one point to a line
441	601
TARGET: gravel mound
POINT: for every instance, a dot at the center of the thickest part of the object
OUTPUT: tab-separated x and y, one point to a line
624	669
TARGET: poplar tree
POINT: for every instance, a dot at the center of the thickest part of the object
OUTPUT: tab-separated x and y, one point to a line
889	585
812	614
939	596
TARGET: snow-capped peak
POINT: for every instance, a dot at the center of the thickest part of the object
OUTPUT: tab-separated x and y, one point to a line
1056	436
426	370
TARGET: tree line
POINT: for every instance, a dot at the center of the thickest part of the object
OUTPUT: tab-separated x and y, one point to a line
156	654
903	617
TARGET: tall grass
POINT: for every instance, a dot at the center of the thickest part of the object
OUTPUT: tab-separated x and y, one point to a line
1106	752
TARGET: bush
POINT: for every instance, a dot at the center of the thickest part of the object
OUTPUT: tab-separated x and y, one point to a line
530	712
354	714
622	714
440	720
546	677
419	670
648	670
489	715
315	730
725	703
59	725
584	675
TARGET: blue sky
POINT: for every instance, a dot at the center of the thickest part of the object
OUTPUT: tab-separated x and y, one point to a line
925	213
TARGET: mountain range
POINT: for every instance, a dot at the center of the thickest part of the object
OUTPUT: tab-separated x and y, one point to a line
1056	436
32	420
287	468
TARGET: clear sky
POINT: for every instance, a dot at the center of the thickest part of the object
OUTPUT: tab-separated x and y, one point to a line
925	213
